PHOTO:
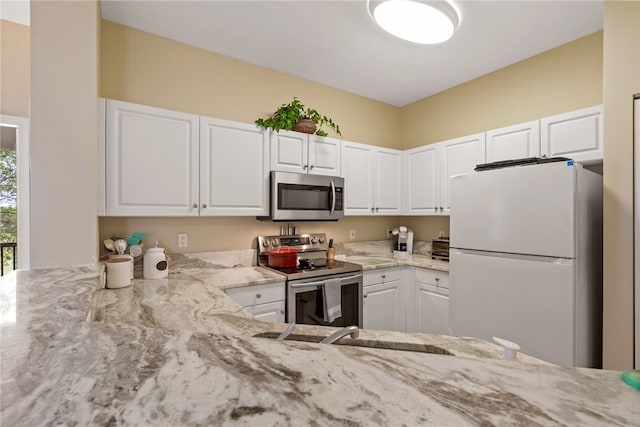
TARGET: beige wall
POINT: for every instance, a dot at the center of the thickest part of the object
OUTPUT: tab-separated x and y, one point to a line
566	78
621	82
64	133
146	69
14	69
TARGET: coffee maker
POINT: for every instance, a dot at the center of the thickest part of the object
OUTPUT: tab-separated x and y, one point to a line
402	241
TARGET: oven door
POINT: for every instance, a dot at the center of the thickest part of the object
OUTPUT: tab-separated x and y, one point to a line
305	301
299	197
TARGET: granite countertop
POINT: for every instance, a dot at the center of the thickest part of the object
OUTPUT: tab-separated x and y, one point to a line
379	254
178	351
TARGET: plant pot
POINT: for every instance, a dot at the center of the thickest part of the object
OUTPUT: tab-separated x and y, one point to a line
305	126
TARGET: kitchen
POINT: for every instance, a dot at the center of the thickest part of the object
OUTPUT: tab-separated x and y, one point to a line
378	126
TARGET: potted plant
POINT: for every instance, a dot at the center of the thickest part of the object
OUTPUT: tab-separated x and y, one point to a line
296	116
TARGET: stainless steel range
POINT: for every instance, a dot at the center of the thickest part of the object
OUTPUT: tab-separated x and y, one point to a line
320	291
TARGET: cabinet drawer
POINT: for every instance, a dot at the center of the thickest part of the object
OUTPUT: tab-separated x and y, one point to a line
433	277
384	275
269	312
258	294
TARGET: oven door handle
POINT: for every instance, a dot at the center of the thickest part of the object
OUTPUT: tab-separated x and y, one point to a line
321	282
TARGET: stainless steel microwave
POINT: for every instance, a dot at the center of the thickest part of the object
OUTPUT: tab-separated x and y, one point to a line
301	197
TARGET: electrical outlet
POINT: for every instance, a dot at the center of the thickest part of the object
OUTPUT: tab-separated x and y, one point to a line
182	240
389	233
352	234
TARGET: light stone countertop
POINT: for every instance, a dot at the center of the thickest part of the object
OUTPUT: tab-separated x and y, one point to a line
178	351
379	254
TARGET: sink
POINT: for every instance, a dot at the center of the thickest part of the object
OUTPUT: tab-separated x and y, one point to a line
384	345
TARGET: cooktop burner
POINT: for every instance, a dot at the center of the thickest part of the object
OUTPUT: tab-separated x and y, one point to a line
330	268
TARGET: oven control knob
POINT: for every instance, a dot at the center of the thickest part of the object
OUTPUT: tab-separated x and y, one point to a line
321	239
314	240
275	242
265	243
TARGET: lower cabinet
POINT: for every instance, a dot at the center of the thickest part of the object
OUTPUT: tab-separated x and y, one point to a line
266	302
384	303
430	312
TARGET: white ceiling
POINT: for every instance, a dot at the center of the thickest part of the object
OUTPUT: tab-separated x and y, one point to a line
336	43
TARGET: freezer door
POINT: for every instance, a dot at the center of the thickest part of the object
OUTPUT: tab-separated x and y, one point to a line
523	300
522	209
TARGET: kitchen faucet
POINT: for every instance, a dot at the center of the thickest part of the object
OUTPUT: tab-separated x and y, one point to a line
349	330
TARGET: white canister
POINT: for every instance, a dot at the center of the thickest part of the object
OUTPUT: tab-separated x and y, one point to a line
118	273
155	264
123	256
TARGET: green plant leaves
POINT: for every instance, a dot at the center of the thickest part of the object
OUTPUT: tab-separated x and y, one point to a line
287	115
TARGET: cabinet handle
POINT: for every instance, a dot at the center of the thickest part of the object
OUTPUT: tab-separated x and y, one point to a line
372	209
312	166
435	209
195	206
365	296
258	295
440	208
377	209
305	167
204	206
281	311
384	276
437	279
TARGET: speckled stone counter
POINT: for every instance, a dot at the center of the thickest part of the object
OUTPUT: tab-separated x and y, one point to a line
178	351
379	254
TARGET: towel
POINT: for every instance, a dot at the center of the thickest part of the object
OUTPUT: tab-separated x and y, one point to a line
332	292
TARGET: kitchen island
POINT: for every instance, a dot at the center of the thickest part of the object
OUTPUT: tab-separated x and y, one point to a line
179	351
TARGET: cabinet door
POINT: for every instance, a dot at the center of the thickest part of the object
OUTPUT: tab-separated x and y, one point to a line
514	142
270	312
422	190
289	151
432	310
382	307
151	161
577	135
324	155
234	168
389	182
357	168
460	155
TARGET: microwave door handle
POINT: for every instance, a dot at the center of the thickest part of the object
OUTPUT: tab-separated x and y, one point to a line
333	198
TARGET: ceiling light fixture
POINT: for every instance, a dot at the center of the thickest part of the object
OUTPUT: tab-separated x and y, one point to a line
418	21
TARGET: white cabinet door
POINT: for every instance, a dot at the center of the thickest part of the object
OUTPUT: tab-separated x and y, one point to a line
289	151
422	190
270	312
577	135
514	142
234	168
324	155
388	182
151	161
382	307
460	155
432	309
357	168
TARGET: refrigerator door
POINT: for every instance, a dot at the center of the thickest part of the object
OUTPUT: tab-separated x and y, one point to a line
527	300
521	210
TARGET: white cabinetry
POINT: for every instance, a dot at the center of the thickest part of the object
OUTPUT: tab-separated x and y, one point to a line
166	163
151	161
430	167
303	153
266	302
373	180
384	303
234	168
576	134
514	142
430	313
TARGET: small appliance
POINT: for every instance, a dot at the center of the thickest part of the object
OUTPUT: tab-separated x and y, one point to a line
402	240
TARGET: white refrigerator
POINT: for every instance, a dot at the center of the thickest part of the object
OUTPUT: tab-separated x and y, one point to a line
526	260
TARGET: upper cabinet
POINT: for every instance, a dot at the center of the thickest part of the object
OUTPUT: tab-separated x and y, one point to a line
422	189
459	155
234	168
151	161
514	142
166	163
303	153
373	180
577	134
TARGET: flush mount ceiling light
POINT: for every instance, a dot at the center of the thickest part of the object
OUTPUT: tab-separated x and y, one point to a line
418	21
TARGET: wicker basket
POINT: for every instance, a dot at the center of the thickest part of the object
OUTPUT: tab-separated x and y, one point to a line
305	126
